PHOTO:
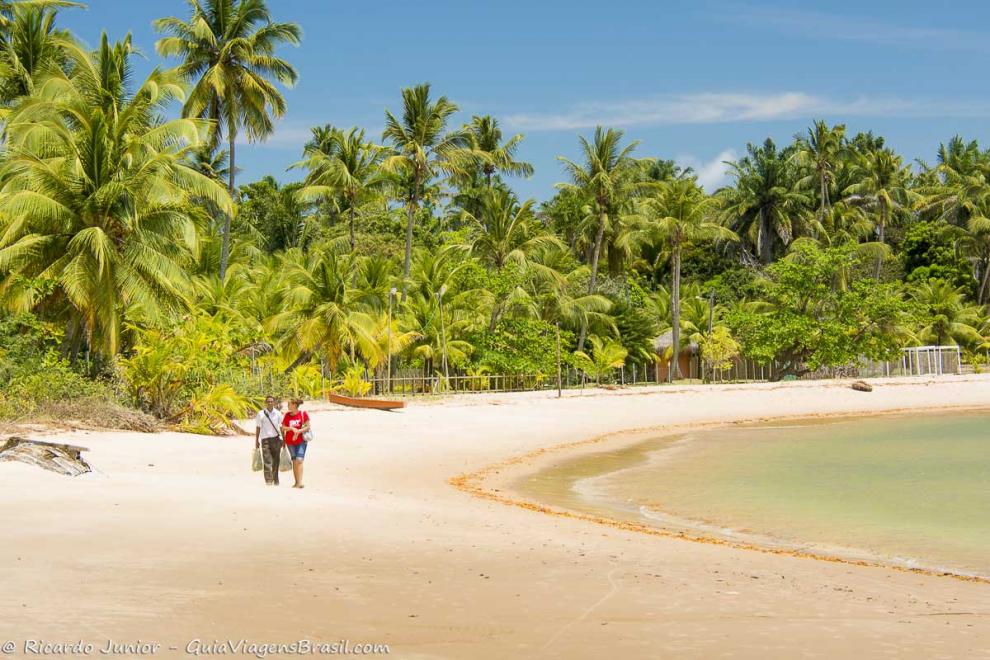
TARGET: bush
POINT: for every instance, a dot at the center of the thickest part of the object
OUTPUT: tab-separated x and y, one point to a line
183	375
521	346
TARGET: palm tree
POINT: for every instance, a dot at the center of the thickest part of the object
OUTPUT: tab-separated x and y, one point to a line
344	164
680	214
606	177
945	316
97	193
321	313
9	9
882	187
764	206
228	48
606	356
505	232
424	147
819	154
486	138
31	47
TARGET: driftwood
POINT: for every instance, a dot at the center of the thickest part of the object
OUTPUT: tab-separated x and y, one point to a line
57	457
862	386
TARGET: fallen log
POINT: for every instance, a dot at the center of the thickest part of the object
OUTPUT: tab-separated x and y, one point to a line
56	457
862	386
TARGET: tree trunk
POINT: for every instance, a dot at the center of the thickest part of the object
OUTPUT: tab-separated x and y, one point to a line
881	231
765	244
305	355
593	283
984	281
352	226
225	235
559	383
410	220
675	313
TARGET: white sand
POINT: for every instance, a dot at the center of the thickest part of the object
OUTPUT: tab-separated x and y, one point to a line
175	539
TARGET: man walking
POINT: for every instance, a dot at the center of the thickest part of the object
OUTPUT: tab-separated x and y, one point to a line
268	437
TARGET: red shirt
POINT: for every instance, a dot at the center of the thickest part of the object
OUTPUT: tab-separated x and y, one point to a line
294	420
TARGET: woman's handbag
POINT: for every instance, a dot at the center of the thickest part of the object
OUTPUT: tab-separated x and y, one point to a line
308	435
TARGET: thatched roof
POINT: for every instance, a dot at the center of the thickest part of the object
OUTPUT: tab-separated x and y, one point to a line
666	340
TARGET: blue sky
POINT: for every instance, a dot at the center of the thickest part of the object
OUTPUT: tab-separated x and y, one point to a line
693	81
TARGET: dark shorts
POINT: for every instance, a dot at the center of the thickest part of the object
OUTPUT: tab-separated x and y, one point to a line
297	452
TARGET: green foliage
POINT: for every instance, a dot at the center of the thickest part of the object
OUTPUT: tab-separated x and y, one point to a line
183	375
929	252
34	372
606	356
813	320
719	348
520	346
354	383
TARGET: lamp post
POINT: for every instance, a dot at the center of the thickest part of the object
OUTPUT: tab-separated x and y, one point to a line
443	332
388	377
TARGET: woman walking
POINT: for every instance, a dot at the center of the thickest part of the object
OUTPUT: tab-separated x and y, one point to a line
295	427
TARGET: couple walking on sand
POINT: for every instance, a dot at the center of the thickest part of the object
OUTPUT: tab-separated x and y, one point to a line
272	428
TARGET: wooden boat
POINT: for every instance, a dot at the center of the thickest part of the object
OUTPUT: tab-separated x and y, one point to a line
373	404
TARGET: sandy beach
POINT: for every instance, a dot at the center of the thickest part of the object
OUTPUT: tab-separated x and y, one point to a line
173	540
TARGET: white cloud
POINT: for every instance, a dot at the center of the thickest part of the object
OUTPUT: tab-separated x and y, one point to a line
817	24
724	107
712	174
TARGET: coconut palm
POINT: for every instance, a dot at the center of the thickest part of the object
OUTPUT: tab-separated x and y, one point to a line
31	47
882	187
486	138
344	164
423	148
945	315
227	49
765	206
606	356
606	177
320	311
97	193
680	214
819	155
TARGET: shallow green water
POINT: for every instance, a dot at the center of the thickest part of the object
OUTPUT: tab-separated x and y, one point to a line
912	490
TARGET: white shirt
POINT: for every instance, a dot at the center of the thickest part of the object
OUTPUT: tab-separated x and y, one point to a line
269	427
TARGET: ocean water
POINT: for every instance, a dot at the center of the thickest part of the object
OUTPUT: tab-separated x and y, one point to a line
907	490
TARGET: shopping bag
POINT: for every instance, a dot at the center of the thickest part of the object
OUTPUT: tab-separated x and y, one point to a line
285	461
256	464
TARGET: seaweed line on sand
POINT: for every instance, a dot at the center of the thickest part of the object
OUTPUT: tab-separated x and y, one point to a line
473	483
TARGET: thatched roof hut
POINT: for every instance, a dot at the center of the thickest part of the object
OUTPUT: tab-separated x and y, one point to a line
666	340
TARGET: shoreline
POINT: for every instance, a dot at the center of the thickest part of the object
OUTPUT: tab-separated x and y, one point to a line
497	483
172	538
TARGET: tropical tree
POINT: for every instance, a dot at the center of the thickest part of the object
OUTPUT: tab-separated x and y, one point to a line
32	48
882	187
228	49
96	190
680	213
605	177
423	148
765	206
320	313
343	164
606	356
945	315
819	155
486	138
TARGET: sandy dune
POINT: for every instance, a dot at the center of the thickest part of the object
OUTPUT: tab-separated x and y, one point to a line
174	539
